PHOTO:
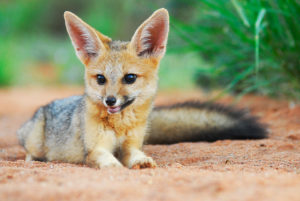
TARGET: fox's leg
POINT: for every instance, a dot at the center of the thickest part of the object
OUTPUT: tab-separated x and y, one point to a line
101	155
34	143
28	157
101	158
132	156
31	136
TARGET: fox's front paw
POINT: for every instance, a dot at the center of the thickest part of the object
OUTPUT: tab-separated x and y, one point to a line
145	162
102	158
110	165
108	162
137	160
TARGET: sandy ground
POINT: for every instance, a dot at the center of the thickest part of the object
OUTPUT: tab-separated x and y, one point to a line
266	169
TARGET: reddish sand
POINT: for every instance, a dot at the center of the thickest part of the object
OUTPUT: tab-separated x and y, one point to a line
266	169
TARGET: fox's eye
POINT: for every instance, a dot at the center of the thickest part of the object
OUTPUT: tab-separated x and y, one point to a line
130	78
101	79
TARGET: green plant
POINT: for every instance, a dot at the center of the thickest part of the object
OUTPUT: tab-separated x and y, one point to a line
254	46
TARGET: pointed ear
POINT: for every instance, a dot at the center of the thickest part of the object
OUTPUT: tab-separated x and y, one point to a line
150	39
86	41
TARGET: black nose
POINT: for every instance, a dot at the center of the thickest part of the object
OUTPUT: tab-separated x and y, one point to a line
110	100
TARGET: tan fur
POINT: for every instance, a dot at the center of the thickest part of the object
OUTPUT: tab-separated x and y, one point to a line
204	119
105	132
177	120
35	141
126	130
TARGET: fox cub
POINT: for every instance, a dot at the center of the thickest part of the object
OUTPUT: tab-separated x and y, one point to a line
109	123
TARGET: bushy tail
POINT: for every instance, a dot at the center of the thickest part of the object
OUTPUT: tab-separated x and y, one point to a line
195	121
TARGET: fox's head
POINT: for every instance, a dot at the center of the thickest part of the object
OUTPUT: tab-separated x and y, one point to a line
118	74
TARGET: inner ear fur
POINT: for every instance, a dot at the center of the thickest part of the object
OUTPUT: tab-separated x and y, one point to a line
88	43
150	39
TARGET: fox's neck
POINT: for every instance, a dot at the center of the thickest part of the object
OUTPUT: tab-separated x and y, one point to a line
130	117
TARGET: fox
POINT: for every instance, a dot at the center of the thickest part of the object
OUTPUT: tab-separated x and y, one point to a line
110	122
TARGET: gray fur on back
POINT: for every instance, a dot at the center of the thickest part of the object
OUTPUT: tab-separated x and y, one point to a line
58	118
57	128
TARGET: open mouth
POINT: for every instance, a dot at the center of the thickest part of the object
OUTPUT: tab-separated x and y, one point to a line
112	110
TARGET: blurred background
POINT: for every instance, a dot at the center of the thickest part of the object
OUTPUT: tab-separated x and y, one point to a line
234	46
